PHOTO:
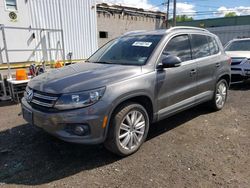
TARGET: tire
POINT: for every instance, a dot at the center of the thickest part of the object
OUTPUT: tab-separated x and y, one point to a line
128	129
220	95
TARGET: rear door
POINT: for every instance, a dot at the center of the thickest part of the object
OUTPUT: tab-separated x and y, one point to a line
204	54
176	87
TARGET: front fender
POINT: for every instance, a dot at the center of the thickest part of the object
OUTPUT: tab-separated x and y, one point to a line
117	93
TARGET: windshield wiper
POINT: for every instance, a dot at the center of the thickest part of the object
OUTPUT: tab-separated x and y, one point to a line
103	62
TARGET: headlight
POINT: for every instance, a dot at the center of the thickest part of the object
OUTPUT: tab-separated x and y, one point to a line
80	99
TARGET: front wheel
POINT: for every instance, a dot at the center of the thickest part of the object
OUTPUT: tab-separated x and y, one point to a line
128	129
220	95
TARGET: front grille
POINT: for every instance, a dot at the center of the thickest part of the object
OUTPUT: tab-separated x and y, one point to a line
235	62
237	69
238	60
41	99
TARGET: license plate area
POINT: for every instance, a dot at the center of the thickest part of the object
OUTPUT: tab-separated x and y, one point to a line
27	115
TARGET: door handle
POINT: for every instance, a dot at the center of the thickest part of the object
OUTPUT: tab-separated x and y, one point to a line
217	64
192	72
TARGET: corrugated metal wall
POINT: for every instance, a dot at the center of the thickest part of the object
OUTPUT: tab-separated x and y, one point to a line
228	33
77	19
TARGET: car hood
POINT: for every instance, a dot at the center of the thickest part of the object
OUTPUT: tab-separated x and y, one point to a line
239	54
81	77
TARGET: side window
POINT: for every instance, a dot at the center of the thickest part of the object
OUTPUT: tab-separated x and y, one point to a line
214	48
179	46
200	47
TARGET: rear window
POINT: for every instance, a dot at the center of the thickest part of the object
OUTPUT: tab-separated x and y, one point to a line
214	48
240	45
200	47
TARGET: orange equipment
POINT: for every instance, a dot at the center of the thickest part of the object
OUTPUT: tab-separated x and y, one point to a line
58	64
21	74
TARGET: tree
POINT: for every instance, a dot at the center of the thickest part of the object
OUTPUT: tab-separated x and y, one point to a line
183	18
230	14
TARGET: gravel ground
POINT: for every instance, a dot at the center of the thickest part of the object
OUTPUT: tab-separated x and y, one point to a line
196	148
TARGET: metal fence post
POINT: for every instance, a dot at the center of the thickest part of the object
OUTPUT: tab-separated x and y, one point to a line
6	52
49	45
63	47
1	56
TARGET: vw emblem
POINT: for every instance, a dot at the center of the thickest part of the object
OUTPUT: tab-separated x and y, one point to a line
29	95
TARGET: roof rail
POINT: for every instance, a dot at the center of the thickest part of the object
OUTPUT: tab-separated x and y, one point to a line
187	27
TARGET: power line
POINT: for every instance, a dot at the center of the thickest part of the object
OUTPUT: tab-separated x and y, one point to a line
227	10
202	13
215	11
166	3
206	6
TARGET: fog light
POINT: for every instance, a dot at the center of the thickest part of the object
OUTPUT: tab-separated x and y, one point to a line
79	130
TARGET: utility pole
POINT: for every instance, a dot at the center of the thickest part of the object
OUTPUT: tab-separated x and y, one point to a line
167	17
174	14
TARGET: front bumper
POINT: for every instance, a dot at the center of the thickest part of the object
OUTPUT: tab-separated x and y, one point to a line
241	71
58	123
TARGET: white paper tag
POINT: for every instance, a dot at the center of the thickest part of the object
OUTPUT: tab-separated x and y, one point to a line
142	44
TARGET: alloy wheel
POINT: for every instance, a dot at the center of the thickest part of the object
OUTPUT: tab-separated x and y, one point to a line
221	94
132	130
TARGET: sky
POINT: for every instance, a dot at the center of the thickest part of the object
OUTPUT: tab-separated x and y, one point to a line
198	9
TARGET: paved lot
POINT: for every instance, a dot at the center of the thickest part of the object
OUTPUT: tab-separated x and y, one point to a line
195	148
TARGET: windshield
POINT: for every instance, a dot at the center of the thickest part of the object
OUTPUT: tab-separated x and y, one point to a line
129	50
241	45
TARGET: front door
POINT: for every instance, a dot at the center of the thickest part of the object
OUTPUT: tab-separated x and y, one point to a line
177	86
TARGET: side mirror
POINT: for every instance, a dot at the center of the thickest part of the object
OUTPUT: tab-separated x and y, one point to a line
171	61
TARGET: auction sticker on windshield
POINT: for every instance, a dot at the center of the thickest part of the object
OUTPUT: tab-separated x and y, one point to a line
142	44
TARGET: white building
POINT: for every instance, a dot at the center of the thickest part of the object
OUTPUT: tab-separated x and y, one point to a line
80	26
76	18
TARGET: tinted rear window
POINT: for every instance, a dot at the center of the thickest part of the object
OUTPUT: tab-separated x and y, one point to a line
214	48
200	47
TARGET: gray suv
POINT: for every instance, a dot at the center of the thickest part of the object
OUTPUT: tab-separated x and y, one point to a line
128	84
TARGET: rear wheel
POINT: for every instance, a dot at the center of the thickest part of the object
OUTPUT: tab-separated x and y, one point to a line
220	95
128	129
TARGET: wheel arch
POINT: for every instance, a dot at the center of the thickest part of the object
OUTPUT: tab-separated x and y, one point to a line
139	98
226	77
